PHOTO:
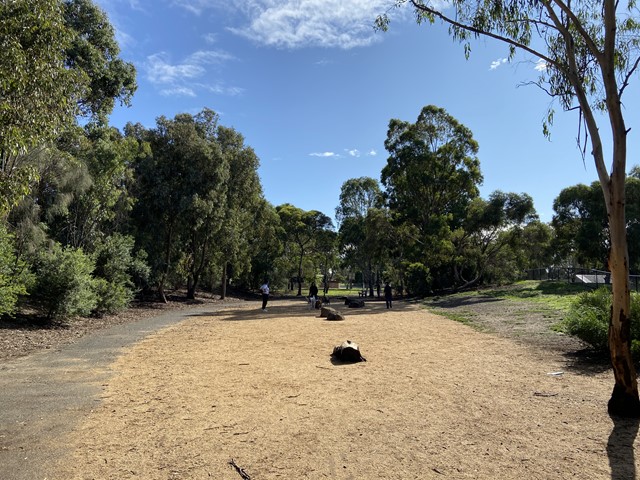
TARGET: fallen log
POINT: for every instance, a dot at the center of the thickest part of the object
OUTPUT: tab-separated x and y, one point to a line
348	352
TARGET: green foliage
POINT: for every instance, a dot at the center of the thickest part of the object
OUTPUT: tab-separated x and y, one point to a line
589	316
198	197
110	297
431	176
58	59
418	279
432	172
35	86
93	53
580	223
36	90
64	286
14	277
357	197
301	231
114	267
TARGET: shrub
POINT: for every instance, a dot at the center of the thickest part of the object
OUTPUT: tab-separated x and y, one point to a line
588	319
110	297
14	276
418	278
115	267
64	286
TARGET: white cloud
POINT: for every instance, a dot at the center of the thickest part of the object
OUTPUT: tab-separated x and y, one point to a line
324	154
302	23
372	153
541	65
181	78
160	71
353	153
210	38
323	23
222	89
496	63
178	92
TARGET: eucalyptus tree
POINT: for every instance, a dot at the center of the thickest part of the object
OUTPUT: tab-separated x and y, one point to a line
490	227
431	176
301	230
94	53
89	198
590	52
58	59
326	258
266	247
582	229
181	197
358	196
580	223
243	199
536	246
37	91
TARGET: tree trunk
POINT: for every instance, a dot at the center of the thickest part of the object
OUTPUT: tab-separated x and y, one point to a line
191	288
300	273
624	400
223	287
161	294
370	279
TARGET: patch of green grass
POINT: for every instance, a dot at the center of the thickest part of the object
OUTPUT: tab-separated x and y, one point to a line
344	292
555	295
464	317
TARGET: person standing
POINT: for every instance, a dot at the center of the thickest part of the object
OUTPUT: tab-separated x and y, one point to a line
313	295
265	295
388	295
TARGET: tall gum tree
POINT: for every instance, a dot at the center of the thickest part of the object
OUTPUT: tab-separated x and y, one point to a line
590	49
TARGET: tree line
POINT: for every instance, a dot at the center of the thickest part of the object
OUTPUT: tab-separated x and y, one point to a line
91	215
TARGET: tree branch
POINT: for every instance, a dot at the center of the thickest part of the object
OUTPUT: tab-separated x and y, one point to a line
478	31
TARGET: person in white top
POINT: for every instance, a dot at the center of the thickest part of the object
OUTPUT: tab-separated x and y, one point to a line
265	295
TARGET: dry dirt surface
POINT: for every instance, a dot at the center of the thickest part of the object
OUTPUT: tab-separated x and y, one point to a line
241	394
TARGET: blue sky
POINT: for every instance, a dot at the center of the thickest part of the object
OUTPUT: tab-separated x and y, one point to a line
312	88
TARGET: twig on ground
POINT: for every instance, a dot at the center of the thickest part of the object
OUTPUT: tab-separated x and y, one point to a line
244	475
544	394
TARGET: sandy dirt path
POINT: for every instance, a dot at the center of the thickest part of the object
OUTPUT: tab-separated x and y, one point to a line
435	399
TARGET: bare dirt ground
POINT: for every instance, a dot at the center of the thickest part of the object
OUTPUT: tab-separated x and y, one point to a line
436	399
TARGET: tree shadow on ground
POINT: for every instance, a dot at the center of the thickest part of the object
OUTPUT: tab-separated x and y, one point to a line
299	308
455	302
587	361
620	449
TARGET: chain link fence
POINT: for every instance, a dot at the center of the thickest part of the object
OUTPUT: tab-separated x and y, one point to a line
590	277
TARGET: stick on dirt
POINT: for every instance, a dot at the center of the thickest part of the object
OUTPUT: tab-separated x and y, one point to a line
241	472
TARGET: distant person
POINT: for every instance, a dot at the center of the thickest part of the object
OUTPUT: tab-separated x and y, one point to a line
388	295
313	295
265	295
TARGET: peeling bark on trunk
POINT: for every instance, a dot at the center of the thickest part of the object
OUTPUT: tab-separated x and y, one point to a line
624	400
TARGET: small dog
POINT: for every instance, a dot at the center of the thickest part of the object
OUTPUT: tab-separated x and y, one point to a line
312	302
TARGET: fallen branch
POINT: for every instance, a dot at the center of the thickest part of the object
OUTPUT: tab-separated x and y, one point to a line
244	475
544	394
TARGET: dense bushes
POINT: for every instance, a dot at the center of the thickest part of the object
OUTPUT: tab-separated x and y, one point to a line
14	276
64	285
115	266
418	278
588	319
